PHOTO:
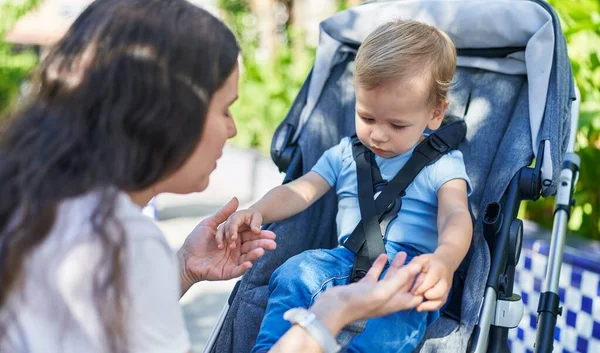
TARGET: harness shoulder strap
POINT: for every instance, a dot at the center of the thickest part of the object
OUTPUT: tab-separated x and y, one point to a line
431	149
372	244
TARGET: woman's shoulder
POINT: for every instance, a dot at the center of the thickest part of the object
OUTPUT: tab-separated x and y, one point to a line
80	213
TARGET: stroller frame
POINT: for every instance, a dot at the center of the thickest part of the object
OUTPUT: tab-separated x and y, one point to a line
501	308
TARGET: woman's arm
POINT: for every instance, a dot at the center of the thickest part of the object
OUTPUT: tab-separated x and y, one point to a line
341	305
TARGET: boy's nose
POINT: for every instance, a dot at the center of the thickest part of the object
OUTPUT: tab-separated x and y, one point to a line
378	136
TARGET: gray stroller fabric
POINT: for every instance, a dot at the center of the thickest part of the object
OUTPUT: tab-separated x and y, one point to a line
476	24
498	144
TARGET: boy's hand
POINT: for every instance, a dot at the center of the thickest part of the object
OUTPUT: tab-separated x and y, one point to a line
434	281
238	222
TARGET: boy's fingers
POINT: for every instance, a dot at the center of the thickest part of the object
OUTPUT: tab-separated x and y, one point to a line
430	305
376	269
428	282
233	229
255	223
418	283
421	260
437	291
219	237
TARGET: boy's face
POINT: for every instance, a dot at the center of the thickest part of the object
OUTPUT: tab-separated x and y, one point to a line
391	119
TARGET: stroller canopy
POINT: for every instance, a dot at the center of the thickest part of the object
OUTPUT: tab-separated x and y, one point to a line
526	32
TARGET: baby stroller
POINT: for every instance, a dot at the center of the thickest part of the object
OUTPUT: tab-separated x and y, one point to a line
515	91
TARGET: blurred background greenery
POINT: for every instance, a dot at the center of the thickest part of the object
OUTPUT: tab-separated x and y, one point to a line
580	20
277	54
15	62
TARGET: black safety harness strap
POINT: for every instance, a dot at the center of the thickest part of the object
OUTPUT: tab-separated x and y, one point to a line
371	243
366	241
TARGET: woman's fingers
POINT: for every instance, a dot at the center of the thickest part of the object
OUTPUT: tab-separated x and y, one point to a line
222	214
376	269
267	244
263	234
241	269
397	264
392	285
252	255
403	301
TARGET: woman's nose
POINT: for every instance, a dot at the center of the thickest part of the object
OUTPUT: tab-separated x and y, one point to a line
231	129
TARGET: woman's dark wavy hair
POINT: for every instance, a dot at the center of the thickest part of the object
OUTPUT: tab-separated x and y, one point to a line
118	104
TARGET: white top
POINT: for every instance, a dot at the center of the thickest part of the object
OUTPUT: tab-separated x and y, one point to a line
55	311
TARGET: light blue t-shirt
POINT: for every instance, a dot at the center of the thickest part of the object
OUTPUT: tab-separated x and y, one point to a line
416	224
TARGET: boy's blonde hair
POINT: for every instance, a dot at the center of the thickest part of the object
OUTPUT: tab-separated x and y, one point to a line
405	49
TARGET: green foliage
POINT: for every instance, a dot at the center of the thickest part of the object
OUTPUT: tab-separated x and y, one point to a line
267	90
267	86
580	20
14	67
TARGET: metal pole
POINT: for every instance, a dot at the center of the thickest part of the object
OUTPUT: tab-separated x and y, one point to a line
548	307
215	332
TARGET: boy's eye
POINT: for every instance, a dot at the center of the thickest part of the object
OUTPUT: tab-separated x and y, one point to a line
398	127
367	120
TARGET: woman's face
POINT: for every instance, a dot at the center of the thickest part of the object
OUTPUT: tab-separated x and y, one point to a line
219	126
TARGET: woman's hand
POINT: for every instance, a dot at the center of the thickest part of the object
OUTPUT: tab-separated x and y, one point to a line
339	306
342	305
201	259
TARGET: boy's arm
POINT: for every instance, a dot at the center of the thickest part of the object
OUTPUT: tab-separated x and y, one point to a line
454	223
280	203
455	232
292	198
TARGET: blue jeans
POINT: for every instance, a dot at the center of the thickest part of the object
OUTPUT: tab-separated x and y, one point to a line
302	278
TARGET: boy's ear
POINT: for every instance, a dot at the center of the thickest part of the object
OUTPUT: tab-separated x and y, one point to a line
437	115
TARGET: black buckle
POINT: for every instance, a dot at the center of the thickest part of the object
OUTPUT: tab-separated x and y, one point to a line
357	275
380	186
361	266
438	144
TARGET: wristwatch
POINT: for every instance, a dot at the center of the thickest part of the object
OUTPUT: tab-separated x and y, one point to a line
315	328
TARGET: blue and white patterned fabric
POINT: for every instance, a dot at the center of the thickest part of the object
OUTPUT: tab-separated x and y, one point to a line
578	328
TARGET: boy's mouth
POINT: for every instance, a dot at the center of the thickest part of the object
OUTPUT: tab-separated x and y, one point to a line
378	151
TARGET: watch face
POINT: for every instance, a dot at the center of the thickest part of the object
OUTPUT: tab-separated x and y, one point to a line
293	314
299	316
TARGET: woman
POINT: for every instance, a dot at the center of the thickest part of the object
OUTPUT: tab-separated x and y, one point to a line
132	102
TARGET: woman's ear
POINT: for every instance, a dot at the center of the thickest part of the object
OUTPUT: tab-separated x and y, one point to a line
437	115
